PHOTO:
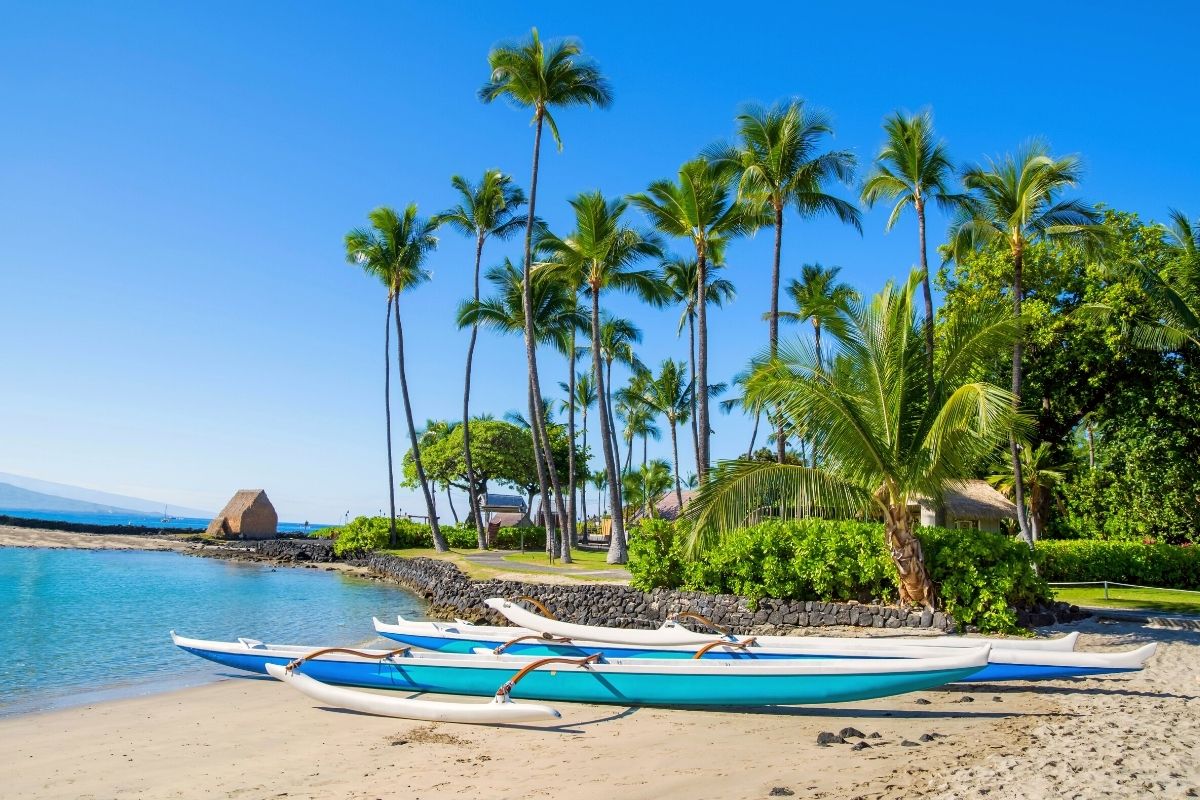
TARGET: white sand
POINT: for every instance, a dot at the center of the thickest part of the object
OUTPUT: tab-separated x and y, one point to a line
1121	736
38	537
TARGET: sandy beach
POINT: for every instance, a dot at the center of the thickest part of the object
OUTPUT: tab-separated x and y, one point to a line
1118	736
11	536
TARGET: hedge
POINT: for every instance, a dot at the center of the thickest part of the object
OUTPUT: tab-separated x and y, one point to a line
364	534
982	577
1167	566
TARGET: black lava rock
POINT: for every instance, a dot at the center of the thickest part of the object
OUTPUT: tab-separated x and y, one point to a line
846	733
826	737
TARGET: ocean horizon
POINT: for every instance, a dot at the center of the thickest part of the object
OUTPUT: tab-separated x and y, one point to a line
142	520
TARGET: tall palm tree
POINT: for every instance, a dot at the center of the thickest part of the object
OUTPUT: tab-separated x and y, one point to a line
1041	475
1174	291
488	209
700	206
887	439
679	275
1182	235
617	339
1012	203
554	313
639	418
778	162
912	167
644	487
599	481
670	393
601	254
821	299
581	396
395	247
542	77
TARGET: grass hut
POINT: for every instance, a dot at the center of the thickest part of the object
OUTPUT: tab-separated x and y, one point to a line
972	504
249	515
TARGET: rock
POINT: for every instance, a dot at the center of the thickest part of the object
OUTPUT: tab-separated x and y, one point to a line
780	791
926	737
997	699
875	735
966	698
861	746
921	701
827	737
846	733
907	743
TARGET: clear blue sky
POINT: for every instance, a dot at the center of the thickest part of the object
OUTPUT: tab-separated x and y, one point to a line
175	181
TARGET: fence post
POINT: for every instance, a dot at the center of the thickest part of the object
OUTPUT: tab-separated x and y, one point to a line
1106	590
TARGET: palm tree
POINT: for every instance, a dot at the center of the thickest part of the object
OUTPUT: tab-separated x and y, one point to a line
638	417
1182	235
617	339
1174	292
554	313
670	393
679	274
395	248
488	209
581	395
700	207
821	299
778	163
913	166
887	440
599	481
644	487
600	255
542	77
1041	476
1013	203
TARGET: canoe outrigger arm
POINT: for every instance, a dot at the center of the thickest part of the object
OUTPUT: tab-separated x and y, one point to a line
538	604
502	694
541	637
703	620
740	645
399	651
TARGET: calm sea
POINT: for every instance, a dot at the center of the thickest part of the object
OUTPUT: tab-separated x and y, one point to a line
144	520
84	625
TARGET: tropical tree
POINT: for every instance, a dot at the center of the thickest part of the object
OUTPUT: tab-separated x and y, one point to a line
1174	290
581	396
542	77
490	208
433	431
778	160
670	393
644	487
701	207
680	274
601	254
1013	203
1042	474
888	441
639	418
822	300
394	248
912	167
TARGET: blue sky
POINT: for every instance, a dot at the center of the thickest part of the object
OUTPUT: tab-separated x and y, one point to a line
175	183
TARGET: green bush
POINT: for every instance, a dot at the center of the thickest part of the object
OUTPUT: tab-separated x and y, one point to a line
363	534
981	576
1163	565
511	538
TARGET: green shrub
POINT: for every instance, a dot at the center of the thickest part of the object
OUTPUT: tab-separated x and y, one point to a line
363	534
1163	565
981	576
511	538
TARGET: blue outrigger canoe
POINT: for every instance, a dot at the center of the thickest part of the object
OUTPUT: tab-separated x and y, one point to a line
1004	663
596	679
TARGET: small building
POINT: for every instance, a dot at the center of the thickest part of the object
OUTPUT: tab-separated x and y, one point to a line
506	519
972	504
502	503
667	507
248	515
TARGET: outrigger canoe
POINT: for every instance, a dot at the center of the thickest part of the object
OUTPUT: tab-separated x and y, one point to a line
595	679
1005	664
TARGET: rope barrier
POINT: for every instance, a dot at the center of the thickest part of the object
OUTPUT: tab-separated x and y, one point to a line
506	689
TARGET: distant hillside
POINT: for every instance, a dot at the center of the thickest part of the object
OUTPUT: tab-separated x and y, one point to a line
14	498
92	499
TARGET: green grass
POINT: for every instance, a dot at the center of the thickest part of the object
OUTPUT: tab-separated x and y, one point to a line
1162	600
582	559
483	572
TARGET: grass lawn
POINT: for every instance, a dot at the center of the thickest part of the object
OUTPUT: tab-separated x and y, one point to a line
1163	600
583	559
482	572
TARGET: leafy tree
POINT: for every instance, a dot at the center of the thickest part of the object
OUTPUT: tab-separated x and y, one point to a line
490	208
1016	200
887	441
394	248
543	77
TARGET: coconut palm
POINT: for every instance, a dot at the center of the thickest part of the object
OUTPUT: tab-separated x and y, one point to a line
599	482
778	163
554	313
912	167
581	396
1174	291
887	440
644	487
394	248
542	77
670	393
679	274
600	255
488	209
1041	474
701	207
639	418
822	300
1013	203
1182	235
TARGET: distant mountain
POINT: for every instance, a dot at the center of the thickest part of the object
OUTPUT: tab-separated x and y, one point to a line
78	499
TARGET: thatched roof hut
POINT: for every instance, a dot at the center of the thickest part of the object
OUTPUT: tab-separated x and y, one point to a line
969	504
249	515
667	507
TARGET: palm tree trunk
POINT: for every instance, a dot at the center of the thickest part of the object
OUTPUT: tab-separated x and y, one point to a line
1013	447
450	502
617	554
821	366
439	541
583	488
537	423
476	516
780	438
629	454
702	362
753	435
675	452
692	381
572	532
612	417
387	415
915	586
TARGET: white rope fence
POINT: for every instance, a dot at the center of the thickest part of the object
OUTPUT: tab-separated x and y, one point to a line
1107	584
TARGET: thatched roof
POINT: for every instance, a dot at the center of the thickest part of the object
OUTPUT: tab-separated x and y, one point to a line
248	515
973	499
667	506
509	519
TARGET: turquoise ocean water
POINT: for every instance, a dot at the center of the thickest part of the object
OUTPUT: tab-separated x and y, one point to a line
83	625
143	520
